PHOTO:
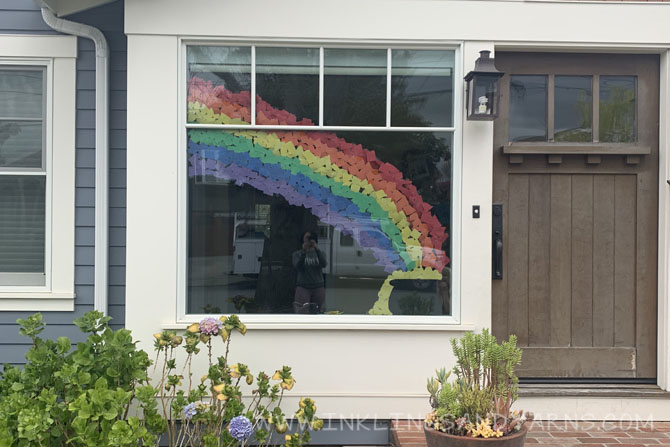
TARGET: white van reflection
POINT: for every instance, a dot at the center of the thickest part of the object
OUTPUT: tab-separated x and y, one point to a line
346	258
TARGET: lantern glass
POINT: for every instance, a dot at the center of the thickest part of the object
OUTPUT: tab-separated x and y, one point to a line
483	96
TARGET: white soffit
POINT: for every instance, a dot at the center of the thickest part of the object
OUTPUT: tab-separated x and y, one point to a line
66	7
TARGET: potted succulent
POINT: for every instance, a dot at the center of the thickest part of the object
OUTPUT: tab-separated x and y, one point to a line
474	408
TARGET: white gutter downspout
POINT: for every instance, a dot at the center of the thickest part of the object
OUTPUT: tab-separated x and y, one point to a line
101	147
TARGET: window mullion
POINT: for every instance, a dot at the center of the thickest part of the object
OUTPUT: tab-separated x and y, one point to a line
321	78
595	124
253	85
388	87
550	108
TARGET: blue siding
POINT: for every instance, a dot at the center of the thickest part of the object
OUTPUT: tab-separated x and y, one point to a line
22	16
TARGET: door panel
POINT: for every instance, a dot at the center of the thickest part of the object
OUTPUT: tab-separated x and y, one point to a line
580	236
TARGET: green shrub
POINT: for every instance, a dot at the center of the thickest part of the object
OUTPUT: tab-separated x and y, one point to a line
100	393
77	397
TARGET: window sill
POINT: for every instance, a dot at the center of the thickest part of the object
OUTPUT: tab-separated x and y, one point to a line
574	149
311	324
37	301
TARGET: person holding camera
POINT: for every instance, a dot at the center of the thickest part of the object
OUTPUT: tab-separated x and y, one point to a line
310	292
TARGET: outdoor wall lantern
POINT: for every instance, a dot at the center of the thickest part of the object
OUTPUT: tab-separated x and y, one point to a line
482	89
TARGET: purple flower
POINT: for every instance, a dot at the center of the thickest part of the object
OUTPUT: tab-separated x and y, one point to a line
190	411
210	326
240	428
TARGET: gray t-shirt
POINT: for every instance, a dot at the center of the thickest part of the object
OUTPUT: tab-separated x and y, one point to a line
309	265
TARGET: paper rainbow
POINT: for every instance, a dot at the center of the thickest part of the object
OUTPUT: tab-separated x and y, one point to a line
343	184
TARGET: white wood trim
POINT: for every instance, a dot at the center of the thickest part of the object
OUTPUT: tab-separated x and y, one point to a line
302	326
59	166
319	128
451	20
664	227
31	46
24	304
37	302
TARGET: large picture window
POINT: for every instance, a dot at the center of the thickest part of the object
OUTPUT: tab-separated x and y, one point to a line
319	180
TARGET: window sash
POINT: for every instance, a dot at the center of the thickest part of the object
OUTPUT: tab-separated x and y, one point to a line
33	280
390	70
42	68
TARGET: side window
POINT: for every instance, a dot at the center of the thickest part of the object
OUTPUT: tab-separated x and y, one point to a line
562	108
23	176
346	240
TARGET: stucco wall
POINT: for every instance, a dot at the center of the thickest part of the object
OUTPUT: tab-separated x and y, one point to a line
357	371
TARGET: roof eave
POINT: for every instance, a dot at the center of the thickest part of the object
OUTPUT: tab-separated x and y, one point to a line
66	7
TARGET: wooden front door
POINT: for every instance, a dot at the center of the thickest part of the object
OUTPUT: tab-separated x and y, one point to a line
576	172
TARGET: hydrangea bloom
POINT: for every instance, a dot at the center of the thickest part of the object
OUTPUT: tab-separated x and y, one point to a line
190	411
210	326
240	428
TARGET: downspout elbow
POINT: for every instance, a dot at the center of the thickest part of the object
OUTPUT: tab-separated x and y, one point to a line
77	29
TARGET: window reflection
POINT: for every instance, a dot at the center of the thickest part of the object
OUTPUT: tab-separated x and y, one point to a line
287	221
354	87
573	105
528	108
227	72
287	79
248	219
617	109
421	88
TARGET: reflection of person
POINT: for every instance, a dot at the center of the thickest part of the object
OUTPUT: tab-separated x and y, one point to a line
310	293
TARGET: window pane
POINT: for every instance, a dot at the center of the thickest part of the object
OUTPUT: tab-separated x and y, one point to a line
22	220
219	82
528	108
21	93
21	144
617	109
354	87
287	86
380	203
573	108
422	88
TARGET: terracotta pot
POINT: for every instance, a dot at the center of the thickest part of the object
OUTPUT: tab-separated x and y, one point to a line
435	438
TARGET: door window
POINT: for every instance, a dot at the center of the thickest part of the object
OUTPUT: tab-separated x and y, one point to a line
564	109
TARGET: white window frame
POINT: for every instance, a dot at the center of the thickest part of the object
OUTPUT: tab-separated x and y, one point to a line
322	321
57	54
45	67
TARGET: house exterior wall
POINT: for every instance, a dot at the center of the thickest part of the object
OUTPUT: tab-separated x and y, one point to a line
21	16
365	370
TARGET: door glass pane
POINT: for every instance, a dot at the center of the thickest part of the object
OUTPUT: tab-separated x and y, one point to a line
354	87
219	82
573	108
22	223
528	108
617	109
379	204
21	93
287	86
422	88
21	144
